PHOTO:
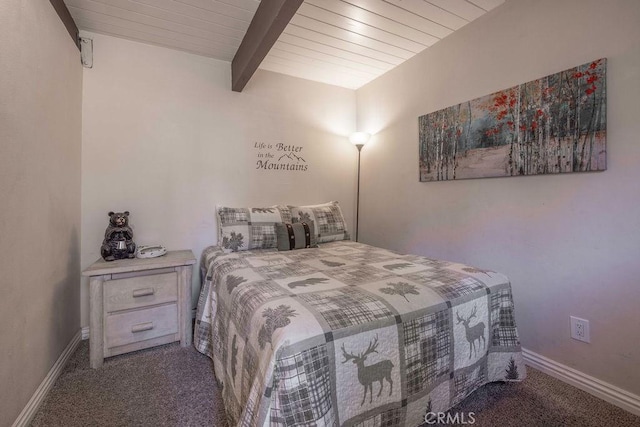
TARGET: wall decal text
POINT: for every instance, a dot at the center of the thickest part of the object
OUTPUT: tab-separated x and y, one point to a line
280	157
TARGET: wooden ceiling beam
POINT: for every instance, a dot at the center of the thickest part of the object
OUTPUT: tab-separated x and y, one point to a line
67	20
270	20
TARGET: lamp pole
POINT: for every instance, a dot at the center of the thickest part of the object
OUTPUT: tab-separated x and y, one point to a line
358	139
359	147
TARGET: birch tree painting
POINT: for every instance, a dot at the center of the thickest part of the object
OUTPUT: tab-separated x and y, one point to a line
556	124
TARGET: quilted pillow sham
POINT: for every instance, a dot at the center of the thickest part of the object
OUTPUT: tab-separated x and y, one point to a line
241	229
299	235
328	220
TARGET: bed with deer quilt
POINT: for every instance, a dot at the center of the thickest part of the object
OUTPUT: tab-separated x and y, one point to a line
351	334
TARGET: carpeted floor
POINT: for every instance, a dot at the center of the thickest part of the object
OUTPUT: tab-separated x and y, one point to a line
174	386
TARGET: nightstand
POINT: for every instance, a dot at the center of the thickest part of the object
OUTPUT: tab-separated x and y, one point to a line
139	303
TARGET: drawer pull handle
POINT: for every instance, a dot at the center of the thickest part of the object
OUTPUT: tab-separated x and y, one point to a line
141	327
143	292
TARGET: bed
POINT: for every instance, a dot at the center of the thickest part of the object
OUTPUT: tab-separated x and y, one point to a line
350	334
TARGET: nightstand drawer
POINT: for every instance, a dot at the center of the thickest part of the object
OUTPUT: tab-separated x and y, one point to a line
139	325
142	291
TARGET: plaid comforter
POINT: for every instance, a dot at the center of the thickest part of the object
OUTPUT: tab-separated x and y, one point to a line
350	334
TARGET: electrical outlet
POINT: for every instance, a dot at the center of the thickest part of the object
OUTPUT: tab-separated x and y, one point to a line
580	329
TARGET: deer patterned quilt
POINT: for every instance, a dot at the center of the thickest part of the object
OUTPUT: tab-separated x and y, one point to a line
350	334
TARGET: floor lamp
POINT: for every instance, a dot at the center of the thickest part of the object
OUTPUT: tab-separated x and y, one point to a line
358	139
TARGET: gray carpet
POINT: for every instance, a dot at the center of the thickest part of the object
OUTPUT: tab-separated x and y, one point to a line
174	386
163	386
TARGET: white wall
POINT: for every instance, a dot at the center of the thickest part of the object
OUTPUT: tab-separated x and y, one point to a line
165	138
570	243
40	130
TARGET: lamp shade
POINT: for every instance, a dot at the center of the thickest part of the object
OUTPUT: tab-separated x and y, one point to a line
359	138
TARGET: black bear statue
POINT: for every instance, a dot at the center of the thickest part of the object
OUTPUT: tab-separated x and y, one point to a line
118	238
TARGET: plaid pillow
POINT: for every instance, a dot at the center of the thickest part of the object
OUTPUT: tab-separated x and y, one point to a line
328	220
241	229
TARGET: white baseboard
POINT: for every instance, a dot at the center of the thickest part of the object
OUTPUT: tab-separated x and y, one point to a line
85	333
605	391
29	411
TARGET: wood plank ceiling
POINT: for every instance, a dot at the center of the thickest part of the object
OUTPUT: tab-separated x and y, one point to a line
341	42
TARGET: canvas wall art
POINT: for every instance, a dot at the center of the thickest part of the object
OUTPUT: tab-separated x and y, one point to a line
556	124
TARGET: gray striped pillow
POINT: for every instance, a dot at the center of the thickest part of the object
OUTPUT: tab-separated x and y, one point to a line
300	235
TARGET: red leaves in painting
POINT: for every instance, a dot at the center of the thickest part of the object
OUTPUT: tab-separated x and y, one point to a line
591	80
504	104
494	131
500	100
591	75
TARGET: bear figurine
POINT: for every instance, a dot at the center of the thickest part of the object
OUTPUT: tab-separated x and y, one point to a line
118	238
